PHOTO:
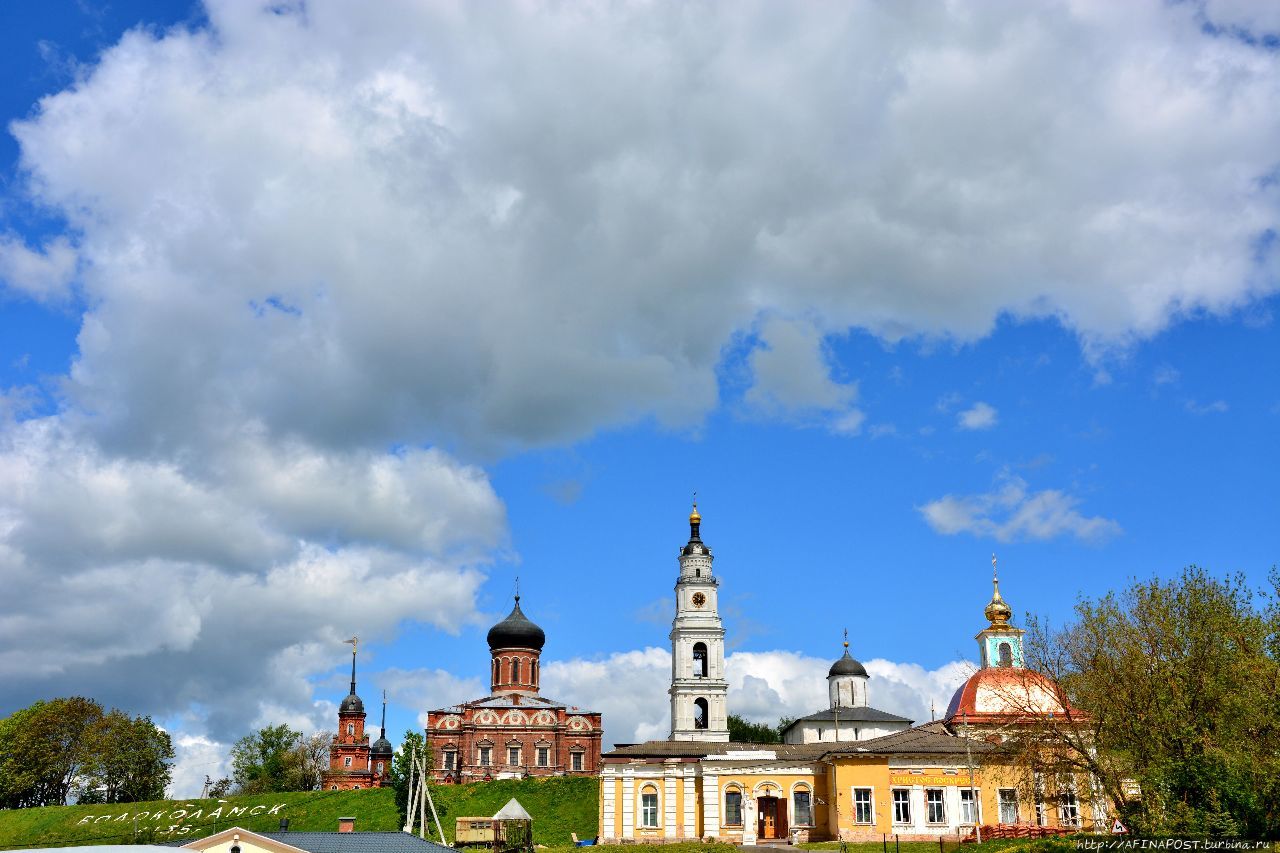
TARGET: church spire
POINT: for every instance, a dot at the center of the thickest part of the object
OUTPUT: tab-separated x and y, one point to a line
355	644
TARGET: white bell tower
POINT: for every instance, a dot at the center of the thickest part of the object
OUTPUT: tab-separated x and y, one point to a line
698	687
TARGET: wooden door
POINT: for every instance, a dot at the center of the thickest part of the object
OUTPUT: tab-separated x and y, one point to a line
768	828
780	824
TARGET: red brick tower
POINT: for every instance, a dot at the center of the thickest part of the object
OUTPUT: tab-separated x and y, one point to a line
349	753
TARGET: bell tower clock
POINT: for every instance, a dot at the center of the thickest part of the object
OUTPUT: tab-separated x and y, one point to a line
698	687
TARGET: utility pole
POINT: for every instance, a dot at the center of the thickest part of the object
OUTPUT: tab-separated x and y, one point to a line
973	794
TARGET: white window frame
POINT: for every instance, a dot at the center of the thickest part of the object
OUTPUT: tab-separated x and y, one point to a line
941	802
1067	800
976	803
484	756
904	801
733	789
346	761
450	758
800	788
516	752
577	760
871	806
648	789
1000	804
543	755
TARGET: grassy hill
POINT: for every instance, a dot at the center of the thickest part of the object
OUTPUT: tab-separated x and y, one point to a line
559	806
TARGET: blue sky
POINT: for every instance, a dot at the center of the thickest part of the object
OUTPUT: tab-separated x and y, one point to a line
317	320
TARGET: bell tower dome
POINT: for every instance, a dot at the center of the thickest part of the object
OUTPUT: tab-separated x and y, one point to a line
698	687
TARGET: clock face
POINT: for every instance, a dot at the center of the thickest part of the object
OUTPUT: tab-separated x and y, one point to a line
699	599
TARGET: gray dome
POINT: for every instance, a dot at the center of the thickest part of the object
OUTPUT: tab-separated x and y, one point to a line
847	666
516	632
381	746
351	705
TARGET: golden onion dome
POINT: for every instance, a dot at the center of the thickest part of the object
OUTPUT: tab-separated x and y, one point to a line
997	611
694	517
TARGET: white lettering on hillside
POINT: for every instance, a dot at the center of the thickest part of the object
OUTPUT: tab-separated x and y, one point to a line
180	820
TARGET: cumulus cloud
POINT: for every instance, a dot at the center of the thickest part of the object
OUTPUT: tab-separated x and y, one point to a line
978	416
44	274
631	688
246	567
1012	512
396	234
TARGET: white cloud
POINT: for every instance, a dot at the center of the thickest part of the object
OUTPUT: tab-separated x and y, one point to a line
1217	407
792	372
196	757
44	274
246	567
396	236
1165	375
631	688
1012	512
978	416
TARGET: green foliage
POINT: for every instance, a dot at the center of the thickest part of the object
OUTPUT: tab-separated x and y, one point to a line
69	747
1181	683
744	731
560	806
261	761
400	764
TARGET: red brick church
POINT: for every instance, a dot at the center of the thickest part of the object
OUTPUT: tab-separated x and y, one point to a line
353	763
513	732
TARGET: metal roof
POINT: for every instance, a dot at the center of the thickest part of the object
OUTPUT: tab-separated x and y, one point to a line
357	842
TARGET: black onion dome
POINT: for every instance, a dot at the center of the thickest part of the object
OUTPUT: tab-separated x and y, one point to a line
381	746
516	632
847	666
351	705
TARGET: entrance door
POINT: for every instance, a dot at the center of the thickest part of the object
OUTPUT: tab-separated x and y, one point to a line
768	828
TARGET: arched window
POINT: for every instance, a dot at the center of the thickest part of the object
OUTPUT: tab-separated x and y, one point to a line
700	660
649	807
515	670
733	806
535	673
802	806
700	713
1006	654
379	767
351	728
497	672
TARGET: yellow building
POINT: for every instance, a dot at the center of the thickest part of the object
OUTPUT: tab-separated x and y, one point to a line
940	778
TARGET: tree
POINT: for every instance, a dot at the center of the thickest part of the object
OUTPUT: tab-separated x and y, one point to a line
129	760
261	761
742	730
307	762
60	748
412	742
1179	685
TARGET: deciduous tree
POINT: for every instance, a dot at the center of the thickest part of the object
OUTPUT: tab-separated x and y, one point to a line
1179	682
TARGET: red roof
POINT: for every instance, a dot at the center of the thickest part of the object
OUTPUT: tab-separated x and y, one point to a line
1004	694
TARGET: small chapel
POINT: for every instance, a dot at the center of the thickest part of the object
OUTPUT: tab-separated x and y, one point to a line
354	763
515	731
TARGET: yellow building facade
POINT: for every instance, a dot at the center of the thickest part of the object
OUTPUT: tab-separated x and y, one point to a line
941	778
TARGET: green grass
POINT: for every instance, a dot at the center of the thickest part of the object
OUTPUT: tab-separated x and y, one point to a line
559	806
